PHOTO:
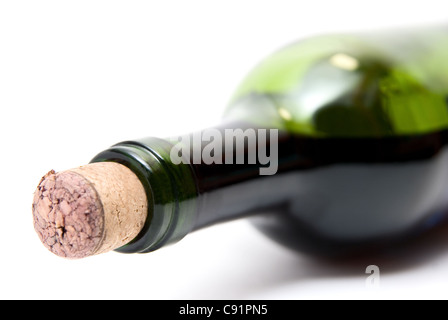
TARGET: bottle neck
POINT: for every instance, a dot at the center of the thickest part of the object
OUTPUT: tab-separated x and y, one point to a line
242	178
202	178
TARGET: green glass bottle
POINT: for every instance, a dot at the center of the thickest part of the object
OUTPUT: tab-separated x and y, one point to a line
361	155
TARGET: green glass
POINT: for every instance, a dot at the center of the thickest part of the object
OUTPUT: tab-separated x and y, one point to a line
362	156
365	85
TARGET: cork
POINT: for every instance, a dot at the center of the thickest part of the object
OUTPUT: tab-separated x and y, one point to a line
89	210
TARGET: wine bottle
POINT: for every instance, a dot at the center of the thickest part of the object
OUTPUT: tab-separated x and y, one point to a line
342	146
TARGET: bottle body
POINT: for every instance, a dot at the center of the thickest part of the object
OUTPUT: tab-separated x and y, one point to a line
362	126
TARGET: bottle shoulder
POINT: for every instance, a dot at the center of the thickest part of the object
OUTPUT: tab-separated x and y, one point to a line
350	86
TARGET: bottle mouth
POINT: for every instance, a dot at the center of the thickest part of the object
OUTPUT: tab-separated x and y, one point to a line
170	191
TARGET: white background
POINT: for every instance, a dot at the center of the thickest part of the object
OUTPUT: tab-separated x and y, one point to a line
79	76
